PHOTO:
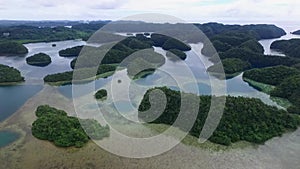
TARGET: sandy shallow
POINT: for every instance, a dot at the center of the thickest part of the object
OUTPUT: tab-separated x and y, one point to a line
31	153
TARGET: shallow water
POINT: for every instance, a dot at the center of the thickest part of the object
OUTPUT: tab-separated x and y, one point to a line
34	74
7	137
13	97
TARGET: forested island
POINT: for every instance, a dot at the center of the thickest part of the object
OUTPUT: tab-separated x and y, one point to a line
239	49
132	44
284	83
290	47
296	32
40	59
12	48
9	75
65	131
175	54
101	94
31	34
147	59
67	77
244	119
70	52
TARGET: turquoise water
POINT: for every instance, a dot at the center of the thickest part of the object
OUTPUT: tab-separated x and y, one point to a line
7	137
13	97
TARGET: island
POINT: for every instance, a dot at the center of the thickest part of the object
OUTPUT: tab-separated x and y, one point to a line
280	82
296	32
101	94
290	48
253	122
168	43
40	59
240	42
70	52
36	33
175	54
230	66
9	75
143	74
67	77
12	48
65	131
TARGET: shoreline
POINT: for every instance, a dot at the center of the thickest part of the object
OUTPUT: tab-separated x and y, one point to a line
29	152
265	88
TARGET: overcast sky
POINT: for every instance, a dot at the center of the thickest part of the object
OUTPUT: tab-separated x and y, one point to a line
189	10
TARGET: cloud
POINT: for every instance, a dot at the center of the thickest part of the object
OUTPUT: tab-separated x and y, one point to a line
190	10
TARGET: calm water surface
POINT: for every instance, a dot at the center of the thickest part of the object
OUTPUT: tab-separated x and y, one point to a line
13	97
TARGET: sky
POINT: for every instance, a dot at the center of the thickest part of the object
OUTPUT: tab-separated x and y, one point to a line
188	10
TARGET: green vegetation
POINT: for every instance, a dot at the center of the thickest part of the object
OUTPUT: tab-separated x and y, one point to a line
125	48
253	45
288	47
289	89
143	63
172	43
144	73
40	59
241	42
64	78
9	75
168	43
70	52
230	65
280	82
271	75
64	131
244	119
12	48
27	34
84	74
242	46
259	31
101	94
180	54
296	32
258	60
72	63
266	88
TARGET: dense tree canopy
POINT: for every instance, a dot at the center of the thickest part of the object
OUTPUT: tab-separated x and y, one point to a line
24	33
82	74
70	52
245	119
101	94
290	89
258	60
271	75
12	48
288	47
10	74
241	42
64	131
296	32
175	54
259	31
285	79
230	65
59	77
40	59
168	43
